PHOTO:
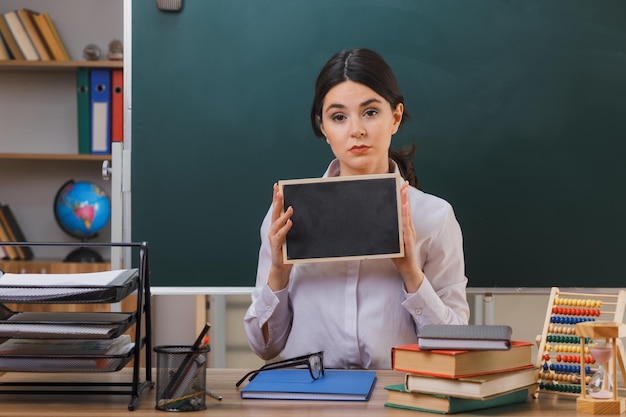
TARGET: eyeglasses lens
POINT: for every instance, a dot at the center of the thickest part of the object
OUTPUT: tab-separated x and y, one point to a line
315	364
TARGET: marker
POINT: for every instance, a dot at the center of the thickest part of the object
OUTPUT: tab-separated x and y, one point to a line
205	342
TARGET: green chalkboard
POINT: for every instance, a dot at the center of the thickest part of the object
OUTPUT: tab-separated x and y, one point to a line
518	112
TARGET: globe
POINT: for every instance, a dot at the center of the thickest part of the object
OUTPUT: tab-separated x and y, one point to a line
81	210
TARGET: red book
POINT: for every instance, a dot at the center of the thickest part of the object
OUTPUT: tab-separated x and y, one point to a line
117	105
461	363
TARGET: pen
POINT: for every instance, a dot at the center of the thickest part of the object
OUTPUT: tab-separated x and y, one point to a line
214	394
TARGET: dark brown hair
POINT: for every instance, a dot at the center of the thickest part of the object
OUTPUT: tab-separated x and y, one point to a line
366	67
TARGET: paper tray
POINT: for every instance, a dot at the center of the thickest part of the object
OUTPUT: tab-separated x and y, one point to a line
123	286
61	363
64	325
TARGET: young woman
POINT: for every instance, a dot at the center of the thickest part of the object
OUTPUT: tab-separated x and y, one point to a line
357	310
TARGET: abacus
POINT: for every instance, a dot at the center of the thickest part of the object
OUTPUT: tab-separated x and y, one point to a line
559	348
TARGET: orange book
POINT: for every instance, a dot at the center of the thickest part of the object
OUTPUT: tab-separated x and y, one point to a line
55	32
10	235
10	251
117	105
51	41
26	16
461	363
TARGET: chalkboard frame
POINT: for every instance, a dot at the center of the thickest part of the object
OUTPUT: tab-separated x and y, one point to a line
325	227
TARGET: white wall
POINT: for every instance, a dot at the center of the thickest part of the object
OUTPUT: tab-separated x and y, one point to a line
39	115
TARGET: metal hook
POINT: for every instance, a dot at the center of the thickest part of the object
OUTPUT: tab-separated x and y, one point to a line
106	170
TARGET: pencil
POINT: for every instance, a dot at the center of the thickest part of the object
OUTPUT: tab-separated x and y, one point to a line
214	394
175	400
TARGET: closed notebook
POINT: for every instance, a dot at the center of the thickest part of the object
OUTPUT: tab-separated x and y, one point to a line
398	397
297	384
476	387
461	363
466	337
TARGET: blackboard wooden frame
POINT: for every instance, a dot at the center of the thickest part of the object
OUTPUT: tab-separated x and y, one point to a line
340	218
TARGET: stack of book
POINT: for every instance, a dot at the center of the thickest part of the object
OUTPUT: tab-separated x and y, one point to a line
10	231
30	36
461	374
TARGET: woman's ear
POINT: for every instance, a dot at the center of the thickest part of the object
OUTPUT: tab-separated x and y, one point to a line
397	117
319	123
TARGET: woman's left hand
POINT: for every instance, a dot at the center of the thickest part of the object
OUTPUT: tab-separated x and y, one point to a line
407	266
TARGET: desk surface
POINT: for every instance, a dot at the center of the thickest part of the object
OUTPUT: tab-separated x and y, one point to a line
223	381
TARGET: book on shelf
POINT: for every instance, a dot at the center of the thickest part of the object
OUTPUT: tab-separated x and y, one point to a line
464	337
297	384
12	46
4	52
7	235
26	17
473	387
100	110
21	36
56	35
117	105
399	397
83	106
10	251
460	363
15	232
56	48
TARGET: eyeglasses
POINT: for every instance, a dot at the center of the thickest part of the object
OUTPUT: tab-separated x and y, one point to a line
314	361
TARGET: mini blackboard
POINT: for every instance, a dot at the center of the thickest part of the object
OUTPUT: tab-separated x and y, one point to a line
355	217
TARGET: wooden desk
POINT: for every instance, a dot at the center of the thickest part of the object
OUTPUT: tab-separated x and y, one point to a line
223	381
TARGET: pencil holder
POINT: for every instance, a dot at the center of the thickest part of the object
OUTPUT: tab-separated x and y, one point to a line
181	378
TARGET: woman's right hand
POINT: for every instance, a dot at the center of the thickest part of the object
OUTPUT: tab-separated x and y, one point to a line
281	224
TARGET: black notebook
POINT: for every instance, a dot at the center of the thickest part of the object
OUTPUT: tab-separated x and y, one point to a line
464	337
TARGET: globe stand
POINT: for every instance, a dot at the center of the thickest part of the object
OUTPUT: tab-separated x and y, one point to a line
84	255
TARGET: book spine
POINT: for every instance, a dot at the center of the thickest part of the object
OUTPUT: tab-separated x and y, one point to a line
12	45
57	37
26	17
83	106
4	52
21	37
48	36
26	252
